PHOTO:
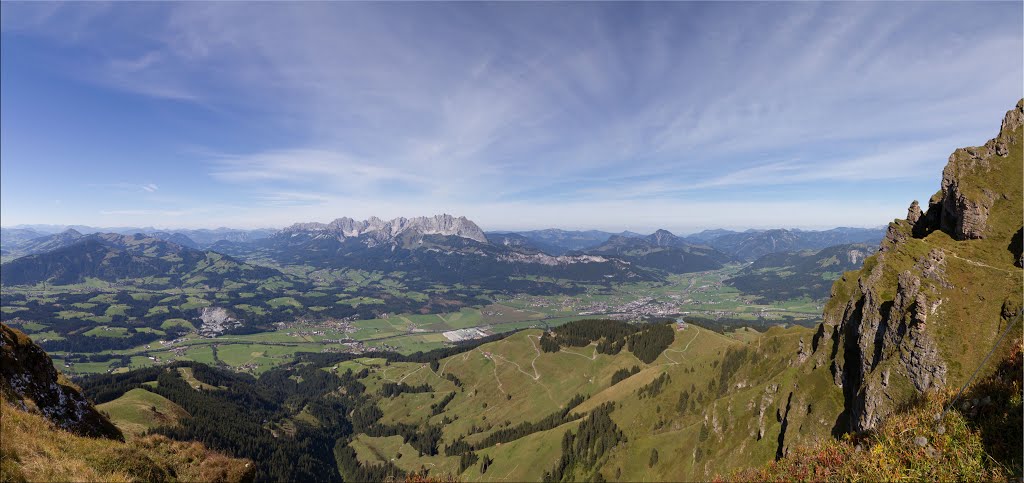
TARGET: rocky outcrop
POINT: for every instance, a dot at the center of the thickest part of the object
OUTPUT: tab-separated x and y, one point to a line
855	256
545	259
216	320
924	309
380	230
961	207
914	212
29	381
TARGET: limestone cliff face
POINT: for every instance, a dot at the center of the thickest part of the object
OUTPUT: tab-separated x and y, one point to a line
29	381
381	231
962	205
923	311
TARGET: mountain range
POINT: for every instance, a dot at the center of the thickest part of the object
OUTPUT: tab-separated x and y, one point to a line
556	242
20	240
441	248
745	245
752	244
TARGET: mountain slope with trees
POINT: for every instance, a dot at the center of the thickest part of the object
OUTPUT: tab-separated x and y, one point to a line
662	250
793	275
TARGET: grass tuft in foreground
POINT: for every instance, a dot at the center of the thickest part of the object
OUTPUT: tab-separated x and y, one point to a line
33	449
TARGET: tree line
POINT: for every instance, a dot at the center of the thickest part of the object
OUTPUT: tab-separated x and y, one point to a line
581	451
623	374
645	341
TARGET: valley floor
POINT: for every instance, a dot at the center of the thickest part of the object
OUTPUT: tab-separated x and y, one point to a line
701	295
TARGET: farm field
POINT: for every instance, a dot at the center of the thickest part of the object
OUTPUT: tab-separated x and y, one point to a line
702	295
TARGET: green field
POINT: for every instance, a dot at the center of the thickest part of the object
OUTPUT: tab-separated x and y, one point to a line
108	332
187	376
703	294
139	410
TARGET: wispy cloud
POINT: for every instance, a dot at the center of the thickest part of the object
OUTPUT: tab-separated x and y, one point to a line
146	213
294	199
892	163
125	187
299	165
466	105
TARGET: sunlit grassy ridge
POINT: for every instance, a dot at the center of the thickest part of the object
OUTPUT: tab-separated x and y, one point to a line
139	410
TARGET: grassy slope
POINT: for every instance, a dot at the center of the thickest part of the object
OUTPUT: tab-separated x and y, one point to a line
32	449
985	265
133	412
731	418
524	459
187	376
373	450
494	371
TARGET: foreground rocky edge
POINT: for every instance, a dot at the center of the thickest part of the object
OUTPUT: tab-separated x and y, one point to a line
938	437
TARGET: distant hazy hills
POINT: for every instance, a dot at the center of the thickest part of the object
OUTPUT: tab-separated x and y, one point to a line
746	245
807	273
663	250
12	240
752	244
74	258
556	242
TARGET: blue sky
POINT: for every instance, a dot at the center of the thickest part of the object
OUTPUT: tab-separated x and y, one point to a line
518	115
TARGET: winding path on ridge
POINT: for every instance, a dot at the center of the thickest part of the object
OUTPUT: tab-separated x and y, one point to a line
593	357
535	377
536	374
687	347
495	367
384	374
411	373
980	264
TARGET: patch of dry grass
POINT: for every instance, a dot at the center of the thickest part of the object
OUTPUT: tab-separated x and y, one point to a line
33	449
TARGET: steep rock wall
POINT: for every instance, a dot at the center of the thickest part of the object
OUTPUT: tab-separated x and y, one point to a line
921	314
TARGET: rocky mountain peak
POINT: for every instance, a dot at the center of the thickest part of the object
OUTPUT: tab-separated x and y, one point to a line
914	212
380	230
961	206
664	238
309	226
446	224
